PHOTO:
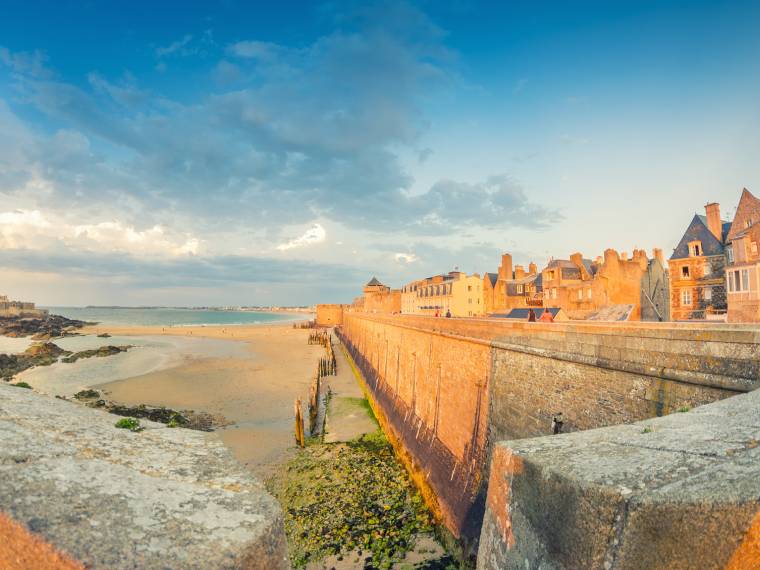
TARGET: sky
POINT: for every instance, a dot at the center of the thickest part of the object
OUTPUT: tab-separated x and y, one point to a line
241	153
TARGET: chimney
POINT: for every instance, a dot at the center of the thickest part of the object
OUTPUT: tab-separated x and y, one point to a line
532	269
505	271
577	259
519	272
657	254
713	220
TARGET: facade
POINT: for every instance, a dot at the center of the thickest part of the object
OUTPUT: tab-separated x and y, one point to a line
511	289
613	287
697	269
19	308
379	298
743	262
455	291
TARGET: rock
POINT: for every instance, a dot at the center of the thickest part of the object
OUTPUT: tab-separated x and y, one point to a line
99	352
40	354
111	498
51	326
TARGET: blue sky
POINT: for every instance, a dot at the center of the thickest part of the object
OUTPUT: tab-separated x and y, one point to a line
227	152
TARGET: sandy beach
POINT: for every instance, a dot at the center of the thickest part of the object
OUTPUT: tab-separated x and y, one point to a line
253	390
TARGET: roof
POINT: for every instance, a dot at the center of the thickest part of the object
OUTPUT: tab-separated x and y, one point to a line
373	282
698	231
522	314
492	277
747	215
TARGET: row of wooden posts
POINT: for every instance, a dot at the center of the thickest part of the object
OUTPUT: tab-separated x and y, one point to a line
327	366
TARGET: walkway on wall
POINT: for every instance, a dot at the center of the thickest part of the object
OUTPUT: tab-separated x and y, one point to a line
348	412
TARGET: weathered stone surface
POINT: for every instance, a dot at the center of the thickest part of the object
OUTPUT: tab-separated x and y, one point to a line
674	492
111	498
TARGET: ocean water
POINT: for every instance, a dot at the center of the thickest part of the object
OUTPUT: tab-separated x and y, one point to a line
173	317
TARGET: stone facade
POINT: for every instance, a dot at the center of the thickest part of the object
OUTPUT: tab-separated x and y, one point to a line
19	308
743	261
511	288
697	269
330	315
379	298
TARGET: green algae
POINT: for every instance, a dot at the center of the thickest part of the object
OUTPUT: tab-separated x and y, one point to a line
350	499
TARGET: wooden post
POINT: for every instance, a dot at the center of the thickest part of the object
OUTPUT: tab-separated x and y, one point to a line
300	439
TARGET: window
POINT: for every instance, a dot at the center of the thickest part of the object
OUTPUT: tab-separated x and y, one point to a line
686	297
753	247
730	253
519	289
707	293
580	294
685	272
738	280
554	293
695	248
588	292
469	287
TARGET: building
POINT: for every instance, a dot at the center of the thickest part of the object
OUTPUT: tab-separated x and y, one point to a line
697	269
378	298
510	289
454	292
743	261
19	309
612	287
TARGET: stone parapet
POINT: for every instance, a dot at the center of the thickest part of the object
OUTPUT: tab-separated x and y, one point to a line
111	498
681	491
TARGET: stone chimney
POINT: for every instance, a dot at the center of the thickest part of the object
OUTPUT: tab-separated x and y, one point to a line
577	259
519	272
505	271
532	269
657	254
712	210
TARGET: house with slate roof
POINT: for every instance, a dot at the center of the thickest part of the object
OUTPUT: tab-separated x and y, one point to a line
743	261
697	269
379	298
510	288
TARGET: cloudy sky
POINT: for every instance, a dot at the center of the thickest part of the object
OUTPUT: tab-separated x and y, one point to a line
227	153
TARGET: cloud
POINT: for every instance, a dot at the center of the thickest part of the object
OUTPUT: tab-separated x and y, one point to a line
406	257
567	139
315	234
176	47
31	63
265	51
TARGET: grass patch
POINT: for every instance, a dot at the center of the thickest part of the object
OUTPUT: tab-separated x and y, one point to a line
647	430
349	498
21	385
683	409
131	424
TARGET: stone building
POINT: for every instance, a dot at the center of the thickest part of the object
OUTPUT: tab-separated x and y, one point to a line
379	298
455	291
613	287
743	261
697	269
511	289
19	308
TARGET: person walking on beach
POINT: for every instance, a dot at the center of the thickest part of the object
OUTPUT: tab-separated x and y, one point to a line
448	313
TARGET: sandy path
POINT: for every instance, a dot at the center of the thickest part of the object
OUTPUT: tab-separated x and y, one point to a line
256	392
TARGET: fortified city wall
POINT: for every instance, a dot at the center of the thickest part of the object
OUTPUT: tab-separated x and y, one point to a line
447	389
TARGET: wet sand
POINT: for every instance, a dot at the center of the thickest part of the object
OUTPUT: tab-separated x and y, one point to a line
254	391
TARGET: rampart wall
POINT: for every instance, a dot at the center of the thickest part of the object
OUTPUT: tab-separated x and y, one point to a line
448	388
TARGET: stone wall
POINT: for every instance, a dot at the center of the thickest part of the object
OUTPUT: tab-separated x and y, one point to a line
450	387
111	498
678	492
330	315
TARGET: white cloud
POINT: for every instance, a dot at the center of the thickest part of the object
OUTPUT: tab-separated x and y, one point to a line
175	47
35	230
315	234
406	258
254	50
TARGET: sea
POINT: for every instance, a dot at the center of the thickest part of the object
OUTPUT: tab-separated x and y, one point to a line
169	317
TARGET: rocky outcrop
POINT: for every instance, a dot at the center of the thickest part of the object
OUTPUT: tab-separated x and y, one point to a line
40	354
51	326
99	352
112	498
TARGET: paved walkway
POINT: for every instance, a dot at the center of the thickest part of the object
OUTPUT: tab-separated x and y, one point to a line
348	413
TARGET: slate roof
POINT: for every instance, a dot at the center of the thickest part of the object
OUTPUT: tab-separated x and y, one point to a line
373	282
492	277
698	231
522	314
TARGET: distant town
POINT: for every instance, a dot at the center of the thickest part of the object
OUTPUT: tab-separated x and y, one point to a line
713	274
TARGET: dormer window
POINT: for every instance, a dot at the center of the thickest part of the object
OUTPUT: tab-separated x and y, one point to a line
695	248
685	272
